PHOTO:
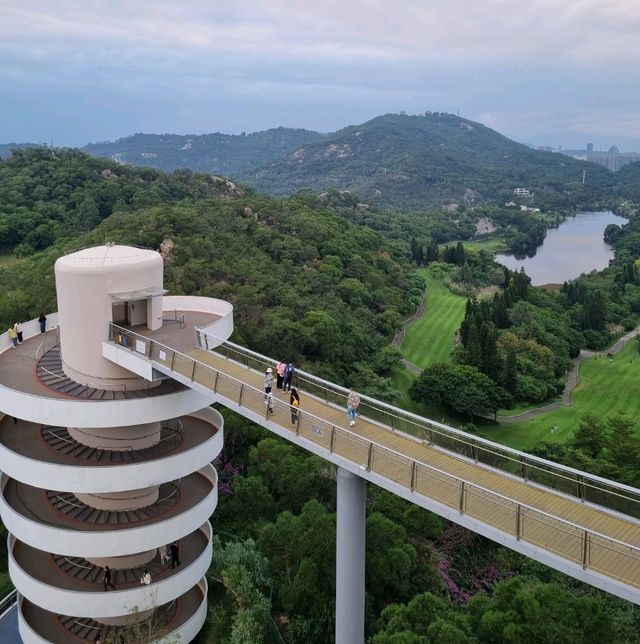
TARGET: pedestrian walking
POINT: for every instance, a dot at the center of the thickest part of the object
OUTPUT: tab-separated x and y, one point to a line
106	578
17	327
268	383
269	402
146	577
174	548
289	372
353	403
43	323
13	336
280	369
294	401
163	554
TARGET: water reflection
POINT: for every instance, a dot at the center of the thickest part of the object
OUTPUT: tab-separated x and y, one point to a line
575	247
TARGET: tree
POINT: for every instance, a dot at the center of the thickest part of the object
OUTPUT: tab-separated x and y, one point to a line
242	571
461	387
390	560
522	610
591	436
594	310
473	349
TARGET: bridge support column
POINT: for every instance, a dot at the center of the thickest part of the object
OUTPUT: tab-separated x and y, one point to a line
350	552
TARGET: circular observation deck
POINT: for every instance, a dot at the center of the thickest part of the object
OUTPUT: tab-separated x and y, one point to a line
59	522
46	395
38	455
73	585
178	620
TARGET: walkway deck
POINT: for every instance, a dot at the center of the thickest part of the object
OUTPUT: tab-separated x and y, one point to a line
591	542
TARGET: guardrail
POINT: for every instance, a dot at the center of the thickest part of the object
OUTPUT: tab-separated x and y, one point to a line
584	547
586	487
8	602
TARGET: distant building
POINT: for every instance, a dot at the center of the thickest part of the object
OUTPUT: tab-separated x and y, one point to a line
612	159
521	192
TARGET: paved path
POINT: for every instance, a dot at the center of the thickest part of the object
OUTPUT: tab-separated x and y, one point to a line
400	333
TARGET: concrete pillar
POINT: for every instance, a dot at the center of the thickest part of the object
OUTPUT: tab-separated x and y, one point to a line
350	541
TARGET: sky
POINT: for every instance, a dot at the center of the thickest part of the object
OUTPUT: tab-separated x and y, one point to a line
79	71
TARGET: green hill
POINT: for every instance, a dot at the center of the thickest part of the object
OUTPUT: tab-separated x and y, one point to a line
628	182
421	162
226	154
305	284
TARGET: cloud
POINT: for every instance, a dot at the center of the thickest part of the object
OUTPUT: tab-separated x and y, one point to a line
582	31
521	66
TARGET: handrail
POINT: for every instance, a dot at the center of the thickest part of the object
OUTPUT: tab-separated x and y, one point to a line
62	438
470	498
175	489
8	602
522	461
50	373
77	565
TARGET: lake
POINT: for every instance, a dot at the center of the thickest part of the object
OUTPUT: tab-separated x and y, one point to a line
575	247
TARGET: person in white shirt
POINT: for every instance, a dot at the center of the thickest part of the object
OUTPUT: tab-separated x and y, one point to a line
353	403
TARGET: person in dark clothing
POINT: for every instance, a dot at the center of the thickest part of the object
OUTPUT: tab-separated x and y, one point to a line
289	372
175	554
294	401
43	322
107	579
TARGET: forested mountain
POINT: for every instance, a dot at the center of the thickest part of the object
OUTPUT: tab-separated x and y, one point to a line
306	285
7	148
47	194
229	154
411	163
421	162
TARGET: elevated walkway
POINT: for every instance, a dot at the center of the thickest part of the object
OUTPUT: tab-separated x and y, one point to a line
583	525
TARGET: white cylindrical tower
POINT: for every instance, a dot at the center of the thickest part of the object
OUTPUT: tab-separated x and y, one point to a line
101	491
96	286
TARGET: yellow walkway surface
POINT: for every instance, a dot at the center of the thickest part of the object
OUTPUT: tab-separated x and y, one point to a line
585	535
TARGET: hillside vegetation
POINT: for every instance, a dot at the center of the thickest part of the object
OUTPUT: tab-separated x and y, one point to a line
306	285
421	162
227	154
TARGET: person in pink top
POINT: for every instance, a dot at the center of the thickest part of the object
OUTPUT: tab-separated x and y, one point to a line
280	367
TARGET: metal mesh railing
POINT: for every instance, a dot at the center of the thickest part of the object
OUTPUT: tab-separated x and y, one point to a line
585	547
586	487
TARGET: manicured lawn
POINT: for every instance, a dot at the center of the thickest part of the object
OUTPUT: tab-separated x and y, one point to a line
491	244
430	339
605	388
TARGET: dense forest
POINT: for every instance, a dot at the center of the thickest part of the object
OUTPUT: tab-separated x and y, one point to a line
310	285
300	279
232	155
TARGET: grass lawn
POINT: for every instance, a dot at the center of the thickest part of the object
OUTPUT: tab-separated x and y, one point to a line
605	388
430	339
492	244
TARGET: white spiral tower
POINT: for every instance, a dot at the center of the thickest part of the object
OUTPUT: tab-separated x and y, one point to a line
101	467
